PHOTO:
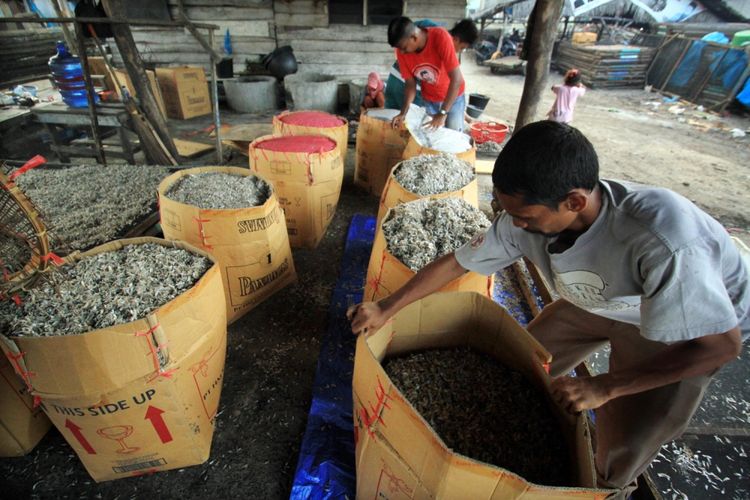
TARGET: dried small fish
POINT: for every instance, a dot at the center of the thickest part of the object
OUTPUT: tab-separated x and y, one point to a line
220	190
420	231
489	148
88	205
103	290
484	410
434	174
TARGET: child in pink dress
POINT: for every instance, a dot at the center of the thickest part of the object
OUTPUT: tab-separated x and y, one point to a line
566	97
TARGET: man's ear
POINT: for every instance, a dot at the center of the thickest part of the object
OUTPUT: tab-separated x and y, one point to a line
576	201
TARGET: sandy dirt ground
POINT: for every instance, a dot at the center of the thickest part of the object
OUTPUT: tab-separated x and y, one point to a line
639	137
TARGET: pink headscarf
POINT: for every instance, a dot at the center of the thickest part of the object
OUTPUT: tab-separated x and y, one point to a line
374	84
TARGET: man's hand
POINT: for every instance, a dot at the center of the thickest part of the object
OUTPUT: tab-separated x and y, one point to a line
366	318
577	394
398	120
436	122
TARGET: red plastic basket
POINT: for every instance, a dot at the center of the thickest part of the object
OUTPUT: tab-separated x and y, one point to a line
488	131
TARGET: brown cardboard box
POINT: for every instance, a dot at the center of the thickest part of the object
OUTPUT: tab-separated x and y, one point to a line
139	397
413	149
185	91
394	194
250	244
308	186
22	425
339	134
584	38
124	79
399	456
386	274
99	69
379	148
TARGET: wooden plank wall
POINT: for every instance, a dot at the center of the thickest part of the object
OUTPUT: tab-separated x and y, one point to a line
258	26
348	50
250	24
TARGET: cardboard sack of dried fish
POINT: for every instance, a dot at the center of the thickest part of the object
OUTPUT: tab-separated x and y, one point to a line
219	190
379	147
22	425
234	215
126	344
429	176
307	172
314	123
414	234
395	440
87	205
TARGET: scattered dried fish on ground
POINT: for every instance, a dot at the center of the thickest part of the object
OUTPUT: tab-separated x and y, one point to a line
433	174
420	231
104	290
489	147
218	190
88	205
484	410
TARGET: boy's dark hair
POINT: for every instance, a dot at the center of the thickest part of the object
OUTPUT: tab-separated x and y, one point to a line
466	31
398	29
544	161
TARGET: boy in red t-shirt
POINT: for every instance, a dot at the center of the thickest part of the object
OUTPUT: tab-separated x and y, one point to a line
428	55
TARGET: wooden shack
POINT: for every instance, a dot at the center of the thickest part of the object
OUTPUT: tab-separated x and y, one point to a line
343	38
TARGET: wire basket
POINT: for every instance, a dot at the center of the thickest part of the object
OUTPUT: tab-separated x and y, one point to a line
24	244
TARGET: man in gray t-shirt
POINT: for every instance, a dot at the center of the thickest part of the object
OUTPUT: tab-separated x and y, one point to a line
637	267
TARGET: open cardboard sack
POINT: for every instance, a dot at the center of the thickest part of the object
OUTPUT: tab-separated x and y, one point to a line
398	455
136	397
250	244
22	425
386	273
379	147
394	194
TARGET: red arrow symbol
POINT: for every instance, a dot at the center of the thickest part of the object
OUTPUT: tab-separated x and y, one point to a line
154	414
76	431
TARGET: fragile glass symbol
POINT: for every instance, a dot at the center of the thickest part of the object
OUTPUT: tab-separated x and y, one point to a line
118	433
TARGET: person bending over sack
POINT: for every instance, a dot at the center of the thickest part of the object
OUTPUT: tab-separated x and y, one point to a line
637	267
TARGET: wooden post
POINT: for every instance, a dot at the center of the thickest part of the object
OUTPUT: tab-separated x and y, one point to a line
90	96
134	65
215	99
546	16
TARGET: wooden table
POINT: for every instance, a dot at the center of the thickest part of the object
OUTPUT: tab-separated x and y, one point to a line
111	117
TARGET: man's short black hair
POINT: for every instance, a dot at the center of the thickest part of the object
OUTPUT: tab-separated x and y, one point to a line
466	31
398	29
544	161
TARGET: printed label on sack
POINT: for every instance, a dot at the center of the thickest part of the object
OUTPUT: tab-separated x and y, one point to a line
251	279
281	167
208	375
259	224
171	219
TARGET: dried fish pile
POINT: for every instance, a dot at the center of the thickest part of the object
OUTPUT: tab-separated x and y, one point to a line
88	205
484	410
219	190
489	148
433	174
420	231
104	290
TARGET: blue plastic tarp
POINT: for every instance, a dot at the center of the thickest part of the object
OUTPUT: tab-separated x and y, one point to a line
325	468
